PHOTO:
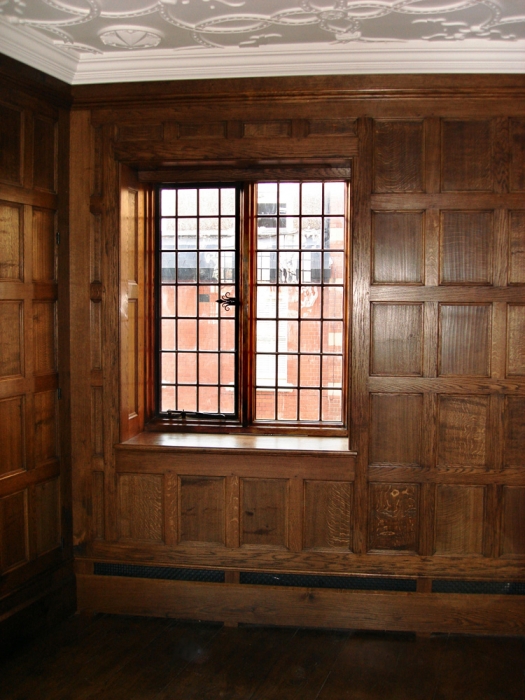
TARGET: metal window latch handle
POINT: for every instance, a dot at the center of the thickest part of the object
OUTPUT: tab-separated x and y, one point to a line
227	301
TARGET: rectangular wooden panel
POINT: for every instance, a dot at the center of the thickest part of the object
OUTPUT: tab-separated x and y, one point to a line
396	342
96	334
397	247
264	511
97	421
394	517
98	522
202	509
47	515
267	130
14	546
11	242
204	130
43	245
517	155
395	428
327	514
133	235
514	429
140	132
398	156
140	509
459	519
466	247
516	340
462	430
12	435
45	154
11	344
513	534
464	334
133	357
517	247
45	446
44	337
10	144
328	127
466	155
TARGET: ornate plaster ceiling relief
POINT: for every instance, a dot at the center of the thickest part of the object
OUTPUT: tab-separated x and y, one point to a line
163	39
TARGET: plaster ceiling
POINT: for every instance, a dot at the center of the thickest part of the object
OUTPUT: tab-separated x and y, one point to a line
83	41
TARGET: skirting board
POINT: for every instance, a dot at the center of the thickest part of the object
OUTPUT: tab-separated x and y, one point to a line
423	613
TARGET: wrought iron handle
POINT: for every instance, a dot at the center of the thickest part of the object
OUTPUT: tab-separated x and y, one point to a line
227	301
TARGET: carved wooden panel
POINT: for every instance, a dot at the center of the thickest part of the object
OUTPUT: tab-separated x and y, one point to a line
45	445
205	130
140	503
397	240
264	511
97	491
10	144
517	155
466	247
517	247
516	340
327	514
14	546
12	435
202	509
44	337
462	430
514	422
459	519
11	344
44	155
267	129
393	521
47	515
398	156
11	242
396	343
513	534
43	245
466	153
464	339
395	430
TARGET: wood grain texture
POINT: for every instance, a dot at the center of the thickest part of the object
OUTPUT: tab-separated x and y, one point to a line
12	435
517	247
327	514
264	516
11	135
395	429
466	247
466	163
45	154
11	242
11	348
517	155
140	515
464	339
98	528
516	340
46	505
462	430
397	247
44	337
396	343
45	432
14	545
398	156
394	517
513	533
44	229
459	519
202	509
514	422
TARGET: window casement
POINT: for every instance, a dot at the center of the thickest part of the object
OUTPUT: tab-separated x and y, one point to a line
252	299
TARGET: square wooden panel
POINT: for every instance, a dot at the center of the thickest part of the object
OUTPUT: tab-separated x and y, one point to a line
466	156
327	513
514	431
45	445
517	155
140	502
202	509
459	519
11	242
516	340
397	339
394	517
395	431
466	247
398	156
11	343
47	515
513	533
464	339
12	435
43	245
517	247
462	430
397	247
45	154
44	336
14	545
11	131
264	517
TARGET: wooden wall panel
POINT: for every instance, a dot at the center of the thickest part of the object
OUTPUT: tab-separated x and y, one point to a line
459	519
98	505
517	247
466	247
516	340
44	337
466	164
394	517
464	339
140	498
395	429
11	339
45	440
11	134
397	339
397	247
12	435
517	155
44	155
264	512
513	535
327	514
44	230
398	156
462	431
202	509
514	421
46	504
14	544
11	241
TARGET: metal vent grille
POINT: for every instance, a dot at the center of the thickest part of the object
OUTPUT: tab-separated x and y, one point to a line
309	581
487	587
161	572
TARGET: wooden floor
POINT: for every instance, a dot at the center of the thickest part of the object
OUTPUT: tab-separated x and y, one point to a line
129	658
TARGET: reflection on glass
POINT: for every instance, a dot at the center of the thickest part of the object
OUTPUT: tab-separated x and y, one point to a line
310	267
312	198
227	233
187	267
208	202
208	267
228	266
167	232
228	201
168	267
267	233
266	267
266	302
288	337
187	202
265	370
288	232
265	336
288	267
208	233
334	232
187	234
334	198
288	302
311	232
334	268
289	198
167	301
333	302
